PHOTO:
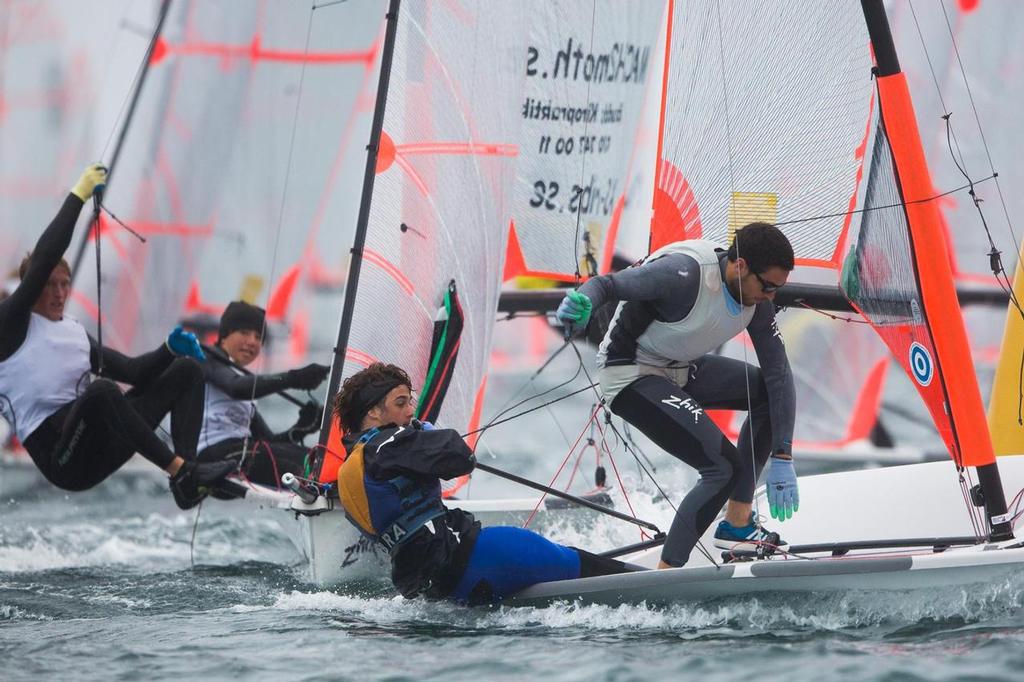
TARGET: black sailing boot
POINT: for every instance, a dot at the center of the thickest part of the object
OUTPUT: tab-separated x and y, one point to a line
193	481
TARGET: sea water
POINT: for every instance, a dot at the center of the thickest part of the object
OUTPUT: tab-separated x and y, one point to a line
116	583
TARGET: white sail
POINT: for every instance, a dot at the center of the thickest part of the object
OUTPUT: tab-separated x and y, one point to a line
62	69
441	201
588	65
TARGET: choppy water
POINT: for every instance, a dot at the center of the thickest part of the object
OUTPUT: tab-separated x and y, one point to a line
101	585
108	585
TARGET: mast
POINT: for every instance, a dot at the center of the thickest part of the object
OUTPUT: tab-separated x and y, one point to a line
361	226
165	7
971	441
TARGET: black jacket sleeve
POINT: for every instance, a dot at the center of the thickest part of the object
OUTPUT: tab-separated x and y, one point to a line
16	309
137	371
778	377
242	386
420	455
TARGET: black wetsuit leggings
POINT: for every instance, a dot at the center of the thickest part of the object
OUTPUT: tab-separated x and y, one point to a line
266	461
675	420
85	441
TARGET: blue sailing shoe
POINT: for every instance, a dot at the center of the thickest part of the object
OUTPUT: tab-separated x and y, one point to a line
746	538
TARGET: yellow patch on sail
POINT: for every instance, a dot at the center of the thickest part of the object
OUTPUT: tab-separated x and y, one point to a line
1007	433
751	207
250	290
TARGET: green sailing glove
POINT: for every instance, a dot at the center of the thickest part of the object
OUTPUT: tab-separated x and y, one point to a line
783	495
574	311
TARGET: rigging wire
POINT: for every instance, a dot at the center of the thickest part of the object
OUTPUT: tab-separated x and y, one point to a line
995	262
981	131
899	204
593	385
192	540
284	192
494	423
583	172
739	286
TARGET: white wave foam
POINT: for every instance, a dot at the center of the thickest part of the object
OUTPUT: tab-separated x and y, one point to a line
142	541
8	612
734	617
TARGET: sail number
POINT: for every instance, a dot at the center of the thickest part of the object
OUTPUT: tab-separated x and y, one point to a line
594	198
584	144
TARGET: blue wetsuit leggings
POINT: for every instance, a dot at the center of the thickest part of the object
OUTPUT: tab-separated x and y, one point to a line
507	559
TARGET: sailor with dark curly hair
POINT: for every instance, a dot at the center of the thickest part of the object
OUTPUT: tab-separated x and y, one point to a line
657	371
390	490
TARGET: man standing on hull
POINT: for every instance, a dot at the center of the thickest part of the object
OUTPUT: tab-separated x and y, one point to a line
656	371
79	430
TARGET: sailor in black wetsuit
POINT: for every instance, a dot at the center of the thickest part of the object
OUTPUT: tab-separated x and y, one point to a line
78	430
230	417
389	487
657	372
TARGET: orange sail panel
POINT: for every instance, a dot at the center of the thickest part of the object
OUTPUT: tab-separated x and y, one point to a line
897	273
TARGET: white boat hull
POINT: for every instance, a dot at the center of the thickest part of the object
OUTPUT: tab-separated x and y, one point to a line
336	553
953	567
914	501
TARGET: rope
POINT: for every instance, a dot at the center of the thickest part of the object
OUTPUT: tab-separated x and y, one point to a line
839	318
192	541
699	546
560	468
995	261
583	172
284	189
618	477
99	286
739	285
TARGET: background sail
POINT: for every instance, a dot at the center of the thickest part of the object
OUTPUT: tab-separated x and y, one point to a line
587	67
56	58
206	162
441	200
987	35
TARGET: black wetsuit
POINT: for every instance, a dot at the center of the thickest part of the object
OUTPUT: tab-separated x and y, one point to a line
91	437
270	454
666	289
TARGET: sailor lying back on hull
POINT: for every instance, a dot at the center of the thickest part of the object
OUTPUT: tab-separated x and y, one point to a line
79	429
389	487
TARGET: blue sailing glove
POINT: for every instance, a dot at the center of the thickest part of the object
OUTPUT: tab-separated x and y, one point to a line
181	342
574	311
425	426
783	496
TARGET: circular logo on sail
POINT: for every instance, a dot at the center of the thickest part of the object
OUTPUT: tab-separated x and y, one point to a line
921	365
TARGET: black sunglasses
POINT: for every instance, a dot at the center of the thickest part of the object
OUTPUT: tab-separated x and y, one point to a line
766	286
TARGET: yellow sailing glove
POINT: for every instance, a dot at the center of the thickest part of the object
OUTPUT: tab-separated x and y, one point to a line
93	177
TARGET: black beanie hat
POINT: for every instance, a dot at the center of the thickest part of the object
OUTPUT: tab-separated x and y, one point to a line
240	315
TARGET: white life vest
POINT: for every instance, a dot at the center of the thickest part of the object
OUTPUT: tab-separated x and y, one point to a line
48	371
710	323
224	417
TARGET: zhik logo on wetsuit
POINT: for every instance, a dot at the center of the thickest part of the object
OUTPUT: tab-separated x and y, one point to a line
688	403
